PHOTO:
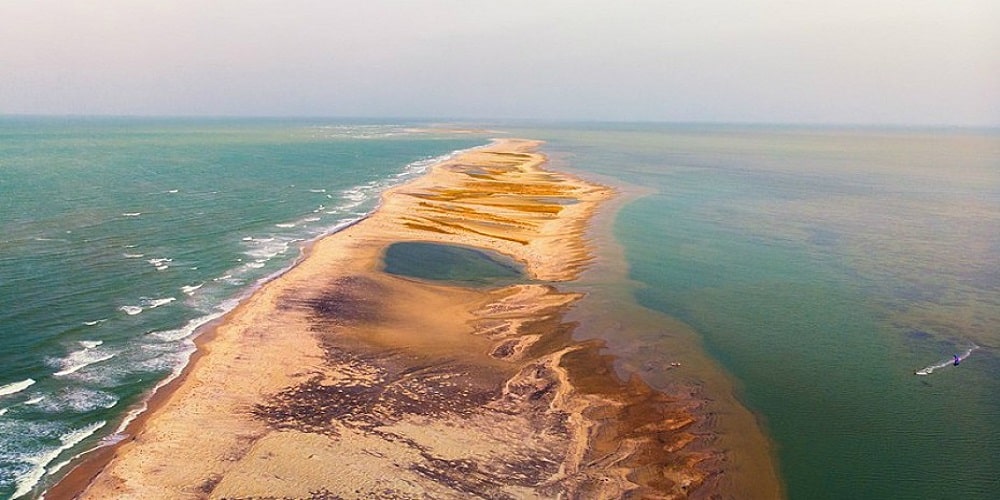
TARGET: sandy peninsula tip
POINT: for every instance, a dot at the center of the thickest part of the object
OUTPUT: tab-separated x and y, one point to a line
340	380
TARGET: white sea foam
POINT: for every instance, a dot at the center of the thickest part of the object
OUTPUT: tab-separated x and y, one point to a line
172	191
354	194
28	480
34	401
186	330
131	214
267	248
344	224
190	289
15	387
146	303
95	322
161	264
361	131
58	467
3	411
154	303
345	207
133	255
171	360
317	190
129	417
251	239
87	356
130	310
285	225
79	400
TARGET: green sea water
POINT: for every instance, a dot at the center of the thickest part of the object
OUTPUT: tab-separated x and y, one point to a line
822	270
819	270
120	237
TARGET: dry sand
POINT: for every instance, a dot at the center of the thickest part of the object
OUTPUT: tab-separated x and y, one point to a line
338	380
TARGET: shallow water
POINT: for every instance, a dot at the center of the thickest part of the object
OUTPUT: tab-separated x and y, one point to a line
451	263
822	269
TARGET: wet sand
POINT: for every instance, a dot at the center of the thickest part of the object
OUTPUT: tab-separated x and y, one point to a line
338	380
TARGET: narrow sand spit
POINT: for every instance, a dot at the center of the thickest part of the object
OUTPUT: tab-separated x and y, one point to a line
338	380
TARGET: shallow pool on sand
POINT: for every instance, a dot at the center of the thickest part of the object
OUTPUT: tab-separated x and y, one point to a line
452	263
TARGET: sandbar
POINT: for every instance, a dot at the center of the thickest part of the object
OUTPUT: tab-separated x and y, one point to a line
339	380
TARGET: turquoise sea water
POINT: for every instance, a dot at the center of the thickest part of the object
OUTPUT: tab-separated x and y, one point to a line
822	269
118	237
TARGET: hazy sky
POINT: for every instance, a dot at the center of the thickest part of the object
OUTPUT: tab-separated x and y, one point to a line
820	61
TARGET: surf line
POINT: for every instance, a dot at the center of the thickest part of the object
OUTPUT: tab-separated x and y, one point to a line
953	361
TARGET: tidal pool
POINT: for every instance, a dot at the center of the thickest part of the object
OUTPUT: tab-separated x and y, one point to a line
452	263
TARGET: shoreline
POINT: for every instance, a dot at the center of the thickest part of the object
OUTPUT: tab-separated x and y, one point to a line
85	466
89	463
746	457
498	364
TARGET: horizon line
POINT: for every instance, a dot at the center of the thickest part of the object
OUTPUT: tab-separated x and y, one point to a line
469	120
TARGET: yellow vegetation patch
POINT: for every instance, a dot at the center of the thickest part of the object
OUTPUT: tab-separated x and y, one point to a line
425	227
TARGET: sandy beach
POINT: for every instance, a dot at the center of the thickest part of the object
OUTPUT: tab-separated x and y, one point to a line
340	380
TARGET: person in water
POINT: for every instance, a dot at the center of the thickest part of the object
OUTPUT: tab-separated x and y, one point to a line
957	359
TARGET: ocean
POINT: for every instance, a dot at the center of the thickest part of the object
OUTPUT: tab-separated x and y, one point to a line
828	275
119	237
